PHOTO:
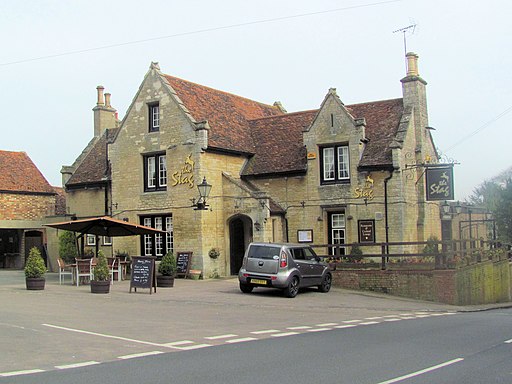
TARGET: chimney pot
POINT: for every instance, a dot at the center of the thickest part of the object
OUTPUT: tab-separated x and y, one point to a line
100	89
412	64
107	100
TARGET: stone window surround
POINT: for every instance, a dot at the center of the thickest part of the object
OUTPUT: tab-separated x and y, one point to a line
337	179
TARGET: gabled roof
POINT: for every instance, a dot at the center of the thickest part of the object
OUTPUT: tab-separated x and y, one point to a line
227	114
60	201
93	169
280	146
19	174
382	120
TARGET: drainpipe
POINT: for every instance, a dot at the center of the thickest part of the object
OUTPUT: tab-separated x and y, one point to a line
386	207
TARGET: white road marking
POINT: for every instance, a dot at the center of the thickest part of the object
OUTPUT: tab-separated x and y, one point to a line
369	323
508	341
17	373
241	340
417	373
177	343
327	325
352	321
408	317
392	319
284	334
319	329
298	328
143	354
102	335
346	326
373	318
197	346
265	331
221	337
77	365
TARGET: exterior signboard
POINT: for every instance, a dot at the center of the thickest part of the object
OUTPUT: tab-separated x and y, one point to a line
366	231
439	183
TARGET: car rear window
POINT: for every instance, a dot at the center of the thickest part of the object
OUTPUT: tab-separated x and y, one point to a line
263	252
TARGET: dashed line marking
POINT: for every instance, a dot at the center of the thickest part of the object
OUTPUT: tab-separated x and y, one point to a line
265	331
369	323
177	343
417	373
284	334
508	341
373	318
143	354
191	347
319	329
18	373
392	319
327	325
77	365
345	326
407	317
241	340
352	321
221	337
299	328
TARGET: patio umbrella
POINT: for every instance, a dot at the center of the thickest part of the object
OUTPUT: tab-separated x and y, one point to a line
104	226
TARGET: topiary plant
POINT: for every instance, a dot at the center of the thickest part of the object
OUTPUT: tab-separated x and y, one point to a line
35	267
356	253
167	266
101	272
67	246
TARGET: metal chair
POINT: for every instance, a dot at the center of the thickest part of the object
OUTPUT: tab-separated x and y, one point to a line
84	270
65	270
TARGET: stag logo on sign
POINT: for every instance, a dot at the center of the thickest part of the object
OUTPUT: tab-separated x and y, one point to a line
439	184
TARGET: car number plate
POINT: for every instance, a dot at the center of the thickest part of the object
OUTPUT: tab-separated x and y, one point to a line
258	281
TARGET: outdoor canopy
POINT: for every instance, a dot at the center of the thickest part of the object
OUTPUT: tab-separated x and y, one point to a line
104	226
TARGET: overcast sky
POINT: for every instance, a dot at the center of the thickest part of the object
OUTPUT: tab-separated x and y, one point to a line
54	54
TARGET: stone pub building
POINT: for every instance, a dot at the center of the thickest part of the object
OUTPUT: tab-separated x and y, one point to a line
333	175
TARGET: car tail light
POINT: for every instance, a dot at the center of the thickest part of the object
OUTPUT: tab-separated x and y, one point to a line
284	260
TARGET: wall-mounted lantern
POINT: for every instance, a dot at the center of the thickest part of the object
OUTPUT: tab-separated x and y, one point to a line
204	191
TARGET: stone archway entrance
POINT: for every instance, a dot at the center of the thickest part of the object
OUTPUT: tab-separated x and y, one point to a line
240	235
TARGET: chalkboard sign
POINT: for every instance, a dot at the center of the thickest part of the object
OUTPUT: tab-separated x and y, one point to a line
183	260
143	273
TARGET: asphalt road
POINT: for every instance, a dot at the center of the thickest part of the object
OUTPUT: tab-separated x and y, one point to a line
460	348
208	331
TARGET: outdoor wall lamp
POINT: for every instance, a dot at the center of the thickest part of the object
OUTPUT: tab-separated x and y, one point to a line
257	226
204	191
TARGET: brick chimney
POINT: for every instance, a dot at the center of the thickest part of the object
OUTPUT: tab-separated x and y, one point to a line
105	116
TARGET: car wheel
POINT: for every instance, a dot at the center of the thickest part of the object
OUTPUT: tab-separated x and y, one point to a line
293	287
326	283
246	288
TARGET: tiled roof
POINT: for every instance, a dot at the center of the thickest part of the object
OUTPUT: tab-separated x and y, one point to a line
227	114
280	145
382	120
94	168
19	174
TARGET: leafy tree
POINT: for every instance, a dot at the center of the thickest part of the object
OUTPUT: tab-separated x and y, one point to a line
503	212
67	246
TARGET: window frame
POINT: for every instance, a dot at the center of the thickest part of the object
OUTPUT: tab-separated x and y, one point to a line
339	160
158	182
157	244
90	240
154	117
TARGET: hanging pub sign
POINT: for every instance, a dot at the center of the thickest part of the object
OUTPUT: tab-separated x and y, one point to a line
439	181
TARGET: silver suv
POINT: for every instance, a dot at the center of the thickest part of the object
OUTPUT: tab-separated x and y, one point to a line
284	266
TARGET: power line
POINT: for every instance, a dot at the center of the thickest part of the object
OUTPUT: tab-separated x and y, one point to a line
196	32
506	111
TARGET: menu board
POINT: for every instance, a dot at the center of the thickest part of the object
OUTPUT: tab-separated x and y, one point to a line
183	260
366	231
143	273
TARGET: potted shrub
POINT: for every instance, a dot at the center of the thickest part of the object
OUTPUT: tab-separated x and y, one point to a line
35	270
67	247
166	270
101	280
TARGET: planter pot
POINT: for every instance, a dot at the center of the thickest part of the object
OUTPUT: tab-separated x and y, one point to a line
35	283
194	274
100	286
165	281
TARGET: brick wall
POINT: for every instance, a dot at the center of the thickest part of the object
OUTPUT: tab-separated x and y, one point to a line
26	207
483	283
